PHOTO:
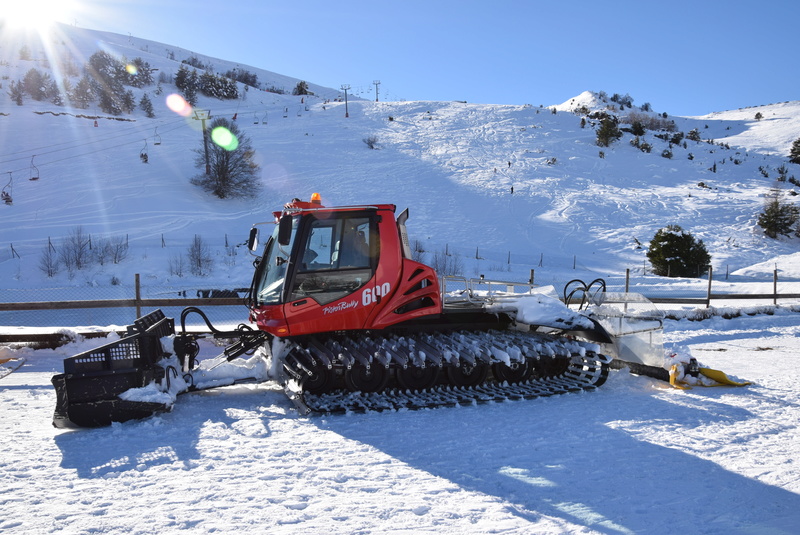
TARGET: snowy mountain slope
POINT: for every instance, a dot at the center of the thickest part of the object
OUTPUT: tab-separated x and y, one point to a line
452	163
773	133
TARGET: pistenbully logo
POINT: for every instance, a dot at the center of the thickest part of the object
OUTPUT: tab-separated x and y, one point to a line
338	307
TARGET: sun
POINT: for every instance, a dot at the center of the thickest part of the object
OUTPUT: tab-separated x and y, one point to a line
34	14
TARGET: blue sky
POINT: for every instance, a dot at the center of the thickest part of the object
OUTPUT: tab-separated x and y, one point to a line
684	58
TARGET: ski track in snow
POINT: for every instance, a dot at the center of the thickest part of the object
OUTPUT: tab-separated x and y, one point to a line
632	457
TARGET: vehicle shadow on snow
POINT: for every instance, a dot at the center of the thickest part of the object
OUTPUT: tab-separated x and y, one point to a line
169	438
577	457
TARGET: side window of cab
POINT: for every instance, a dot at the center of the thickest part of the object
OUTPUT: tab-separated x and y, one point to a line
339	256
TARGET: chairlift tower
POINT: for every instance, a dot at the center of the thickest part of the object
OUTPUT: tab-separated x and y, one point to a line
376	83
346	88
203	116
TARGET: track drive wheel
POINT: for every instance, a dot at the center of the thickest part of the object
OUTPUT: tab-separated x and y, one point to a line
416	378
359	378
517	372
467	374
320	381
551	367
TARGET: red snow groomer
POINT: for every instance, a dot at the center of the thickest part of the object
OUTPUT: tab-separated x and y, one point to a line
346	320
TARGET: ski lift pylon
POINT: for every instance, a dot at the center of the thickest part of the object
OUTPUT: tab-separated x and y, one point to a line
34	169
156	137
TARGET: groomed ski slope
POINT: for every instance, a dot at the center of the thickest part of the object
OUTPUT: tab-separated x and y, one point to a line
632	457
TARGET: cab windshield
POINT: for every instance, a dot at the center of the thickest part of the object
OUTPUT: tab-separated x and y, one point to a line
269	286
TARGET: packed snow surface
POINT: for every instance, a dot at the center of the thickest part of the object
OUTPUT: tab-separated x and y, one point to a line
633	457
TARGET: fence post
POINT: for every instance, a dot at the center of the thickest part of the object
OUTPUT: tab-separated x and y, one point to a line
775	287
710	277
138	297
530	281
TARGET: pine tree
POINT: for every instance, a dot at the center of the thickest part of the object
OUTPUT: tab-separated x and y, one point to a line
141	75
674	252
794	152
146	105
54	93
779	217
232	169
17	92
127	101
35	84
182	78
301	88
608	132
82	95
107	75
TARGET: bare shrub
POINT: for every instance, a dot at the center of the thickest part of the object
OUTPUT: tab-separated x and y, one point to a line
199	257
418	252
75	253
118	247
111	250
177	265
450	265
650	122
48	262
371	142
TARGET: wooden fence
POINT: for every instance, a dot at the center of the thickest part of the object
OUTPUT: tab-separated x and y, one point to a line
139	303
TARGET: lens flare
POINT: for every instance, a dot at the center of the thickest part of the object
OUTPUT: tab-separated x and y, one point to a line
132	70
177	104
224	138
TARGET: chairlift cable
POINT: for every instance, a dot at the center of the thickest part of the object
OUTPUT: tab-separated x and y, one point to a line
73	144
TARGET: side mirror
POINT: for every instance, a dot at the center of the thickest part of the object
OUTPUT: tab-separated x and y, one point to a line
252	240
285	230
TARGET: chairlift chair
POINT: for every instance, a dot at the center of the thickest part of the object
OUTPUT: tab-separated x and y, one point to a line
34	169
6	193
156	138
264	119
143	153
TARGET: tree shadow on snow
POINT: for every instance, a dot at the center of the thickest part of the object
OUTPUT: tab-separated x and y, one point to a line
589	459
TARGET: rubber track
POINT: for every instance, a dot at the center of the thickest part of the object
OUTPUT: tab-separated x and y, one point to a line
587	370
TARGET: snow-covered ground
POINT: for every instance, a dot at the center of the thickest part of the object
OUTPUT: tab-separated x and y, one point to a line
633	457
